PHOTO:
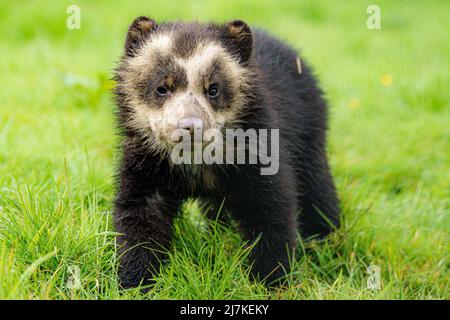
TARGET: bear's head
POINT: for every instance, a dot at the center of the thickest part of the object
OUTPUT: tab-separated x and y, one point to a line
181	77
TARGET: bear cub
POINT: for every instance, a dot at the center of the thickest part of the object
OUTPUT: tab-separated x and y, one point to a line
177	78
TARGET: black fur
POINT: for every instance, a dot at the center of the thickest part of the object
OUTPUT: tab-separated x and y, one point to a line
301	196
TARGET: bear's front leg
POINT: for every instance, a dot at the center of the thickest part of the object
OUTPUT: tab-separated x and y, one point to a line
145	226
273	251
266	210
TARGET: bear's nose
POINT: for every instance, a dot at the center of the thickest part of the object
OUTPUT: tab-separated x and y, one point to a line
190	124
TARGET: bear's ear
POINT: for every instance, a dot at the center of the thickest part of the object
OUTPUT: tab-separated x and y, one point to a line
238	38
138	31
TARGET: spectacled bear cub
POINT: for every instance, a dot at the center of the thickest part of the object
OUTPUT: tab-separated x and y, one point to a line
180	75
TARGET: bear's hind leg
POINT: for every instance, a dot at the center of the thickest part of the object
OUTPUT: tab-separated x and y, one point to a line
319	206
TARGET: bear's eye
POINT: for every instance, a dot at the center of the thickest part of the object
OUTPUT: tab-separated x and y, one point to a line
213	91
162	91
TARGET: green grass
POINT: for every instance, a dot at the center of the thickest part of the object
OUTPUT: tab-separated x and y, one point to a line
388	146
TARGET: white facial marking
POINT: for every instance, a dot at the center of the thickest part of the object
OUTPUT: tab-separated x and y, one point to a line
157	123
197	65
161	43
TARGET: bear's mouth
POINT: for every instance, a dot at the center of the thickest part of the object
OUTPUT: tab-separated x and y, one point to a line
188	138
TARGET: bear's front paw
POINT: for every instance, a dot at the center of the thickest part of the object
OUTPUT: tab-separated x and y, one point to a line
129	278
270	276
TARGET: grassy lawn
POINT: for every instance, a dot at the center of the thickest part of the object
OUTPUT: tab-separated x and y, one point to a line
389	145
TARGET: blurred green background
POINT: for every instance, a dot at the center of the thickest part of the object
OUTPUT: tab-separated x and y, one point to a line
389	96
